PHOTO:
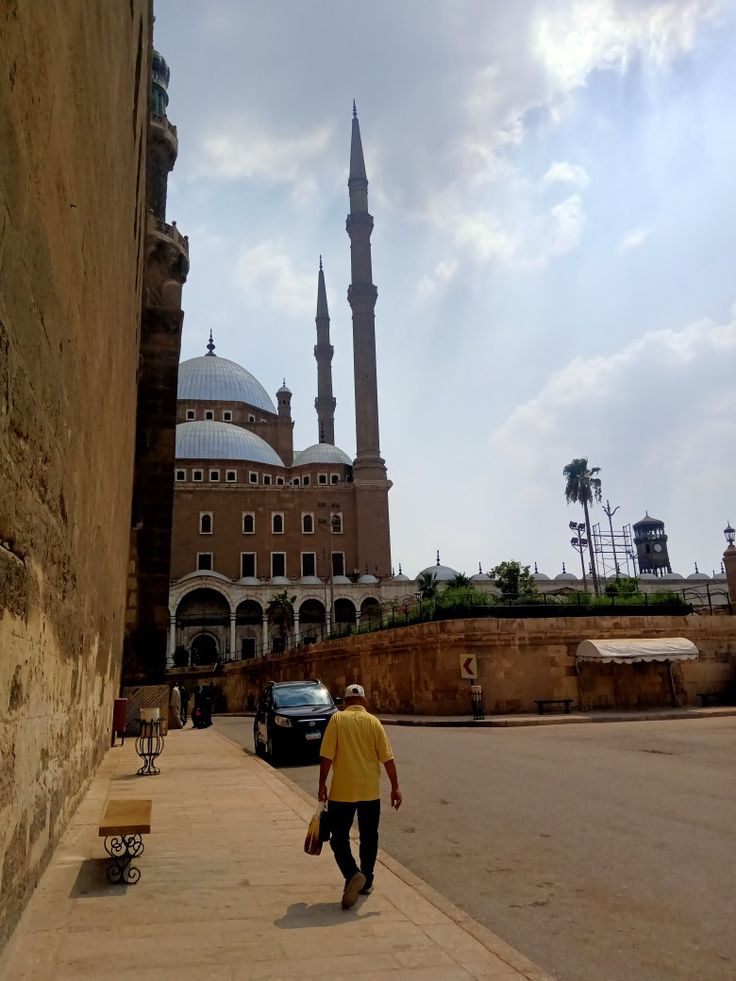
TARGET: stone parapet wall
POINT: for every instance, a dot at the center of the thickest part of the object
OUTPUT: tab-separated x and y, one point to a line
416	669
73	117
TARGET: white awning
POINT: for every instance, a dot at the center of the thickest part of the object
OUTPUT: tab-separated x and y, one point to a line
637	649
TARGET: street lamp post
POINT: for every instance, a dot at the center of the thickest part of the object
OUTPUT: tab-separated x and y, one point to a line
580	543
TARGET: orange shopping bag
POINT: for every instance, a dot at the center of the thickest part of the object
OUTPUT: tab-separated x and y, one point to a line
313	841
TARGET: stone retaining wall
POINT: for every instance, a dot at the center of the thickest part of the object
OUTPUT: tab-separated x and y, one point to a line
416	669
73	114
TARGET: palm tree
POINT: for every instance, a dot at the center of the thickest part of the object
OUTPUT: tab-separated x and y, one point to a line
583	486
280	612
458	581
427	584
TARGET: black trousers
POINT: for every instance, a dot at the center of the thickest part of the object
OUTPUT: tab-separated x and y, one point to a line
341	821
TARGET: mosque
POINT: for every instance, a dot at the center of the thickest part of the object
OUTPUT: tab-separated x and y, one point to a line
253	517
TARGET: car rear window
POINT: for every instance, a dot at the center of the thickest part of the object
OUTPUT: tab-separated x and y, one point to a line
292	697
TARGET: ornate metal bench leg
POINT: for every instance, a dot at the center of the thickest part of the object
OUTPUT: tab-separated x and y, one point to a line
122	849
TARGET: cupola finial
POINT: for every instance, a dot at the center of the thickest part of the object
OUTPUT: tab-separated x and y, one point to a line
563	567
536	570
438	556
355	111
320	261
400	567
210	347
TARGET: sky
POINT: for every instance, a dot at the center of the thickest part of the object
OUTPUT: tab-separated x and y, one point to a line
553	189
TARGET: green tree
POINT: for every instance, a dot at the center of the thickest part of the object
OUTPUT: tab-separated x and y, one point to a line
427	585
583	486
623	586
514	580
280	612
459	581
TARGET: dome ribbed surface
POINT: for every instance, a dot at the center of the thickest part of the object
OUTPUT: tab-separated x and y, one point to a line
222	441
214	379
321	453
442	573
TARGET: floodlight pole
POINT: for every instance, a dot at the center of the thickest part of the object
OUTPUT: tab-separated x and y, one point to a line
607	510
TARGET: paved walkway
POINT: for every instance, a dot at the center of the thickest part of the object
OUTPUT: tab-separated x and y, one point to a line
226	891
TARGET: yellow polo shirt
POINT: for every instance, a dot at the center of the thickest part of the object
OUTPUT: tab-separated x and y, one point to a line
357	744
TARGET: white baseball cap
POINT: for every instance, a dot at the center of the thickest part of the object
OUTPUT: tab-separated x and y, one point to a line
355	691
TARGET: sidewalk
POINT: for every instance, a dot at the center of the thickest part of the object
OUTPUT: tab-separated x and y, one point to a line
226	891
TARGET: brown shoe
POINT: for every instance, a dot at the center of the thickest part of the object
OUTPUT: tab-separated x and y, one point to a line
352	890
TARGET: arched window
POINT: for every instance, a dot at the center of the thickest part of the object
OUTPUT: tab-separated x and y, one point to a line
249	523
308	524
337	523
205	523
277	524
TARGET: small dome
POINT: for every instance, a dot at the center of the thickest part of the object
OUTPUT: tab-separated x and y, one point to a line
649	520
565	577
648	575
441	573
367	579
210	573
400	578
284	390
719	576
214	379
310	581
541	577
698	577
222	441
672	575
279	581
249	581
321	453
341	581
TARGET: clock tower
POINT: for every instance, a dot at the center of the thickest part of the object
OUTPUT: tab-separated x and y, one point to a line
651	546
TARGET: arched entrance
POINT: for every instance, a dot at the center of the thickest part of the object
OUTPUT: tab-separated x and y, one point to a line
370	613
204	649
203	613
249	629
311	621
344	616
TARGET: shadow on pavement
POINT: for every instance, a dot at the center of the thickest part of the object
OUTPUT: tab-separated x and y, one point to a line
301	915
91	881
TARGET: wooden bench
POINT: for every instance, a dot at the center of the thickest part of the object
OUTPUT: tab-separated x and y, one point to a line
122	825
708	697
541	702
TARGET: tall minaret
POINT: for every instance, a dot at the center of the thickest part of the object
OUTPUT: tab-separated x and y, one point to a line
370	484
362	296
323	351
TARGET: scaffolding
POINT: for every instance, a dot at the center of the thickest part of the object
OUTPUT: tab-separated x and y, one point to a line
614	551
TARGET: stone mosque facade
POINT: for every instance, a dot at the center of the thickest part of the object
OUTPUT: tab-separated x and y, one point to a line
253	516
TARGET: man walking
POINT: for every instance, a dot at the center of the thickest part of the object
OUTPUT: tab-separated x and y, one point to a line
354	746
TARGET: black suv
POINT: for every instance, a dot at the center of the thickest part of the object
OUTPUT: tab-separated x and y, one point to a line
291	718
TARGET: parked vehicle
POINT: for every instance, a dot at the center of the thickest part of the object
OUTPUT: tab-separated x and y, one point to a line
291	718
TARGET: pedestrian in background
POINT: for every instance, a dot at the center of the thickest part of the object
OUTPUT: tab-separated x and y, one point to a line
184	696
354	746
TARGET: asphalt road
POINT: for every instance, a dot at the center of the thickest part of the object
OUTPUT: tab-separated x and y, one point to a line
604	852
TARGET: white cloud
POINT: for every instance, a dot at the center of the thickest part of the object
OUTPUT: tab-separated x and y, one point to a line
433	283
573	39
266	274
243	152
633	239
567	221
566	173
484	238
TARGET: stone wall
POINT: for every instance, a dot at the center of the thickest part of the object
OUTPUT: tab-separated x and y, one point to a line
416	669
73	112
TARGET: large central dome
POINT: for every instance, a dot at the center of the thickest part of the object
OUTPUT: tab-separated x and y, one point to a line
213	379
